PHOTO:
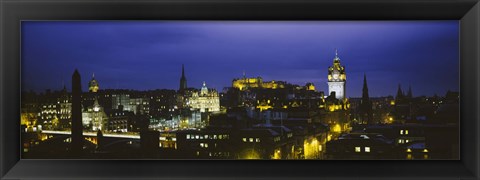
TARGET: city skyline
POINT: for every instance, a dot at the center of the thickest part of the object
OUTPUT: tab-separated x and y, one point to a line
140	61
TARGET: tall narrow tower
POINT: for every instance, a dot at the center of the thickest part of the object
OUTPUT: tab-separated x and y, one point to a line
337	78
183	81
409	94
365	96
400	95
365	111
77	129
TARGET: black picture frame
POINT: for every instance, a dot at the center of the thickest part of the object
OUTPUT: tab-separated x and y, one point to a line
12	12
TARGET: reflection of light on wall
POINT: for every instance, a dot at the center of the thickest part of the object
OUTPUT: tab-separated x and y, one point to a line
337	128
251	154
277	154
392	102
311	148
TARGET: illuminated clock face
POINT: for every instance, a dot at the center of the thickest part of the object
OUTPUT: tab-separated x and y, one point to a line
335	75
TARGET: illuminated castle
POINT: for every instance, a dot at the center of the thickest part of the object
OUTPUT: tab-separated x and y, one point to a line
93	85
245	83
337	78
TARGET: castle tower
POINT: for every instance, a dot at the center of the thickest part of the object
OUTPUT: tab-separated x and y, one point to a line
77	127
93	84
183	81
337	78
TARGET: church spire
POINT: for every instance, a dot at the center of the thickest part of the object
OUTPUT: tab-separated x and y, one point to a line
365	95
409	94
399	92
365	109
183	71
183	80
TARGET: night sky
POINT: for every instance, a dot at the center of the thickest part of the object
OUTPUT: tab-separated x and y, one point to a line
145	55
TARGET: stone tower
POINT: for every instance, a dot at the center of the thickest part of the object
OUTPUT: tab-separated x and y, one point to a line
337	78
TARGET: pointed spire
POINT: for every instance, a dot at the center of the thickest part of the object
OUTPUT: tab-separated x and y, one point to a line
93	75
204	85
365	95
183	70
244	75
409	94
399	91
365	81
336	55
183	80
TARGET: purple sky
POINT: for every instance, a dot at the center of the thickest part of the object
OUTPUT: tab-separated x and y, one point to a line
146	55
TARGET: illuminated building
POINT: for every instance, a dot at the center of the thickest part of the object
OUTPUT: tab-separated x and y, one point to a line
94	117
120	121
360	146
310	87
337	78
246	83
162	102
93	85
207	143
139	105
121	99
64	109
29	115
48	115
207	100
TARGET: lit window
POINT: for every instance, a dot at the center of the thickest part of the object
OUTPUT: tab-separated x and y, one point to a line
406	141
188	136
406	131
257	139
250	139
244	139
202	145
358	149
367	149
401	131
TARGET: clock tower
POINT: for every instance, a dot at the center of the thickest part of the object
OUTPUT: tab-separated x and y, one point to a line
337	78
